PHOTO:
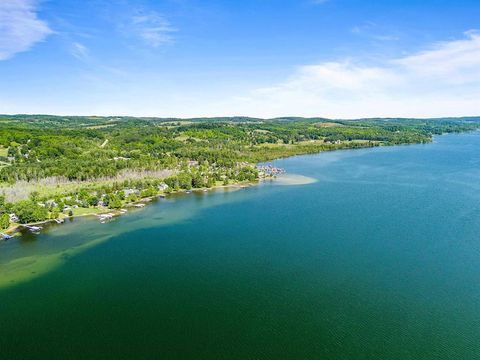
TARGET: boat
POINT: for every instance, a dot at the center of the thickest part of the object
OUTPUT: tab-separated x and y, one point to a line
5	236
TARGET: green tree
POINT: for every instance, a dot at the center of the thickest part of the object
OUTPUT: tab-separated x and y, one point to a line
55	213
35	196
92	201
115	202
4	221
29	211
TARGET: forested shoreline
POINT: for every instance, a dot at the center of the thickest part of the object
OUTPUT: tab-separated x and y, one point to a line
52	166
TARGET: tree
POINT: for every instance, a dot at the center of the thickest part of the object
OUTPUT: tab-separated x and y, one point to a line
29	211
132	198
4	221
55	213
115	202
198	181
92	201
2	202
34	196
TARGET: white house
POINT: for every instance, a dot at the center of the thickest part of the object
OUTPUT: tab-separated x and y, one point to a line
162	187
127	192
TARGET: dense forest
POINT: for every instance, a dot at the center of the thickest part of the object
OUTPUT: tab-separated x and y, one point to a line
104	156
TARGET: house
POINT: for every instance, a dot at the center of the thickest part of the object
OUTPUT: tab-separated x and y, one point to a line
128	192
51	203
13	218
162	187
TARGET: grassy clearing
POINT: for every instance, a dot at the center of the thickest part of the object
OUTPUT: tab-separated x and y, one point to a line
186	137
329	125
100	126
86	211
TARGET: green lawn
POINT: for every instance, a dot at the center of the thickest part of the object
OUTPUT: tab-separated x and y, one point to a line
85	211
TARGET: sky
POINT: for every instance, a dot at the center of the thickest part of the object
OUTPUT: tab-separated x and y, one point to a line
261	58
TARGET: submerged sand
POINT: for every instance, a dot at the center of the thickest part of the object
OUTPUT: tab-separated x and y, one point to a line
294	179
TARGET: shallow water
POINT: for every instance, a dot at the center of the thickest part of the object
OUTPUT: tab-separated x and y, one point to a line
377	257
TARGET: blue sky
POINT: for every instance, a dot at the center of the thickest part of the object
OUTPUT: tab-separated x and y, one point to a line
267	58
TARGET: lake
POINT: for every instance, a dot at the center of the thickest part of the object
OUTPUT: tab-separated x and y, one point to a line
378	258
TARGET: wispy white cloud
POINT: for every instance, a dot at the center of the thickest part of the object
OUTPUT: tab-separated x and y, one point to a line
152	28
453	62
443	80
373	31
20	27
80	51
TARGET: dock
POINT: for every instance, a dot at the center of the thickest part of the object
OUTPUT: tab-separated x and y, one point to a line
33	229
269	170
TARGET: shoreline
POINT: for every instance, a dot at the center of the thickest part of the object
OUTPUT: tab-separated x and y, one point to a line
14	230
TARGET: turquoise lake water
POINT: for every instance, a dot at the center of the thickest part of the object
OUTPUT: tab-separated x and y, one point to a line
377	259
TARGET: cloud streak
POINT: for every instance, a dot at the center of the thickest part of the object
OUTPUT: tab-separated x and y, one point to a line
443	80
20	27
80	51
152	28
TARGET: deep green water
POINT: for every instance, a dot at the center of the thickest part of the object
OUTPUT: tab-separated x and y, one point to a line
379	259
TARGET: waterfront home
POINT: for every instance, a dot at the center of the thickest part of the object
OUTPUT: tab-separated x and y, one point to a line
128	192
162	187
13	217
51	203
